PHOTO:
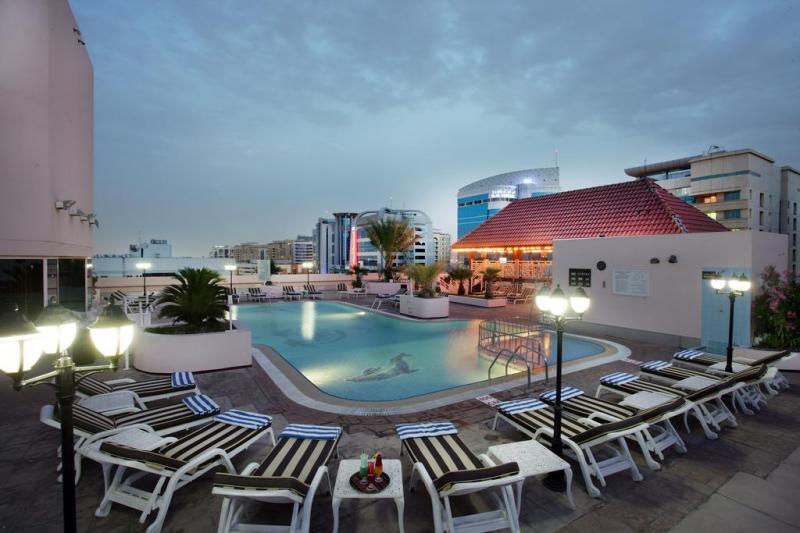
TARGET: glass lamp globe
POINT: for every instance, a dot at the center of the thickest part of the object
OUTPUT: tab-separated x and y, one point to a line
579	301
58	327
717	283
558	302
230	268
112	332
20	342
744	283
543	300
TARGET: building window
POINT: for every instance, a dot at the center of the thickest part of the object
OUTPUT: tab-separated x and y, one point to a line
761	217
731	214
731	196
761	200
22	283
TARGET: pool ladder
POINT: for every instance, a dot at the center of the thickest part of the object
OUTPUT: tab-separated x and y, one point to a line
516	354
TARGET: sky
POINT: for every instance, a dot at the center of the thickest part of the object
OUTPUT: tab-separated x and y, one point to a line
247	120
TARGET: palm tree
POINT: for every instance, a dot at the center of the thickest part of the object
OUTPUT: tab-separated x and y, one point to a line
197	300
490	275
358	271
390	237
461	274
425	276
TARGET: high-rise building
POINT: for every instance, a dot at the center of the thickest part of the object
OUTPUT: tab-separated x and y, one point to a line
742	189
422	251
333	242
302	250
441	243
46	136
481	200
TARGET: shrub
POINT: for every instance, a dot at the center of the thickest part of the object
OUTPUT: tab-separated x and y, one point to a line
776	310
196	303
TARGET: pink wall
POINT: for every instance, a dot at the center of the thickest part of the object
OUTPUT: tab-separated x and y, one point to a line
46	118
673	305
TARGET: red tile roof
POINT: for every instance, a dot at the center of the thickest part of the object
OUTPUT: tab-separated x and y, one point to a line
639	207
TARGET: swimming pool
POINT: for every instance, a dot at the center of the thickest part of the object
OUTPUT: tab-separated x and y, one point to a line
359	355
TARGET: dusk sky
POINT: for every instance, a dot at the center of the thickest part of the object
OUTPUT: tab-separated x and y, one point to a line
223	122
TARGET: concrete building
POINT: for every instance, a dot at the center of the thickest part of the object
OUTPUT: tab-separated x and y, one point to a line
302	250
333	242
441	243
742	189
423	251
125	266
46	160
481	200
153	248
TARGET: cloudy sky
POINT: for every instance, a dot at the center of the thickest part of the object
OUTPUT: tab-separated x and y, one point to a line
221	122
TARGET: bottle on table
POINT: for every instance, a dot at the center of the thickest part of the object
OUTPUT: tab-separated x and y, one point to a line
378	465
362	471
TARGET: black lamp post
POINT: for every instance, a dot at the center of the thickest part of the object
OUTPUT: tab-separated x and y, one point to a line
143	266
737	286
22	344
554	305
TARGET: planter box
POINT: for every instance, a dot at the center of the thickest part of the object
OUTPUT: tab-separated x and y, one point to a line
425	307
384	287
478	301
159	353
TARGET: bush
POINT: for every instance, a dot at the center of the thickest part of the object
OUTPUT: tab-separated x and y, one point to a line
776	310
196	303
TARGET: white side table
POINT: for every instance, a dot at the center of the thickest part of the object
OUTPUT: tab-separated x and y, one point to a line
646	399
342	490
534	459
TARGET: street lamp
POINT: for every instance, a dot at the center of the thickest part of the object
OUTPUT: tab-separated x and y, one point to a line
308	265
555	305
231	269
737	286
143	266
22	344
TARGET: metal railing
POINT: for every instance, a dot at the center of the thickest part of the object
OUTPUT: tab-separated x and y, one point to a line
514	341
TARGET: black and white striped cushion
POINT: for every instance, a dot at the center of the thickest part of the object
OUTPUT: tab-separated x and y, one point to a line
448	461
92	386
639	385
152	387
162	417
290	465
90	421
585	405
178	453
676	373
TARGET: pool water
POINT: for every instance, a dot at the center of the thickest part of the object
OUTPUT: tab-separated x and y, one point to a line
359	355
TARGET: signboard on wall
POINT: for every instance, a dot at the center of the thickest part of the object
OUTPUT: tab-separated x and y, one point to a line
631	282
580	277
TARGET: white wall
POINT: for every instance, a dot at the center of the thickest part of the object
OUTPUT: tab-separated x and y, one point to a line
673	306
46	116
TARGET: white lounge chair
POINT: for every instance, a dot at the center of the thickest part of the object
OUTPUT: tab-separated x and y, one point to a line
290	474
448	468
290	294
698	359
583	438
174	462
312	292
177	384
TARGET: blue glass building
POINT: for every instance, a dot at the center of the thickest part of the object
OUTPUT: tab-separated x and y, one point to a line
481	200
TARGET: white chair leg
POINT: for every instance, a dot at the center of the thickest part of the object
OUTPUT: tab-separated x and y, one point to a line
635	474
652	463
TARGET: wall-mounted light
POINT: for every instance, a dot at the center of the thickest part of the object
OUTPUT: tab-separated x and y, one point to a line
64	204
673	259
654	260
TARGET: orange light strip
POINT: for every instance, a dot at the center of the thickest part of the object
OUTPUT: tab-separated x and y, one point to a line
506	249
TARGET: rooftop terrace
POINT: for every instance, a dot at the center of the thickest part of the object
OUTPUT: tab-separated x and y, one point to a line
744	480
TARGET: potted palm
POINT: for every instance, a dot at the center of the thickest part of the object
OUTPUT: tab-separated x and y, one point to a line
390	237
461	274
490	275
427	303
199	337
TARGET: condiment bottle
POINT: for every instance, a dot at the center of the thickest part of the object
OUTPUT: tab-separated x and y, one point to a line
378	465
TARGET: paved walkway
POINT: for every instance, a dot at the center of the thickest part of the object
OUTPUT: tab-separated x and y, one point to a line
751	470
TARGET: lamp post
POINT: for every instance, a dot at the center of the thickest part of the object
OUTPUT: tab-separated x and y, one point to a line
554	305
308	265
22	344
737	286
231	269
143	266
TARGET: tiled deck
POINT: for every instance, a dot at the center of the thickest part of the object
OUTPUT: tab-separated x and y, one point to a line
698	485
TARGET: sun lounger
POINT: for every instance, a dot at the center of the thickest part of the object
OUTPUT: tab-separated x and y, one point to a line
341	291
448	468
290	474
521	297
174	462
91	426
536	419
290	294
312	292
660	435
177	384
696	358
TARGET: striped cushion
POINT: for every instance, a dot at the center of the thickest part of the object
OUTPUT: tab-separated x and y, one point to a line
88	420
162	417
586	405
290	465
178	453
688	355
566	394
152	387
448	460
673	372
310	431
520	406
655	365
639	385
570	428
92	386
425	429
617	378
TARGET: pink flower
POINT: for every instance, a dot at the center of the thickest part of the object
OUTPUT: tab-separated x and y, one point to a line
791	315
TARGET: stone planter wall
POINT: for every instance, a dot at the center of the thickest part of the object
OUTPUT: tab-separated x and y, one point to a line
161	354
478	302
425	307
